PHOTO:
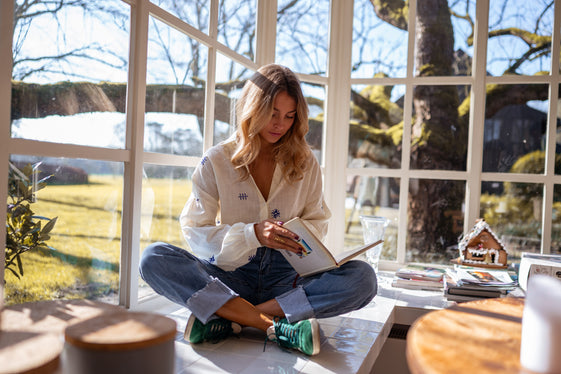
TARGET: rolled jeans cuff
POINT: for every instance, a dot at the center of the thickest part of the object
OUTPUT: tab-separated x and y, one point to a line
205	302
295	305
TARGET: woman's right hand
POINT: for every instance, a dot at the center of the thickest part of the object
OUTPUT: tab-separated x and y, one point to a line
272	234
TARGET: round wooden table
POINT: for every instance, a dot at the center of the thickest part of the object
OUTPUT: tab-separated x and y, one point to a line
120	342
30	333
100	338
480	337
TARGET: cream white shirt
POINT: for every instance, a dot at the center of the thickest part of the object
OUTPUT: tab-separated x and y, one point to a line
219	217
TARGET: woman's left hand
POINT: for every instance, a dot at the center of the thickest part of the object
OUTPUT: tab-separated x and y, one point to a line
270	233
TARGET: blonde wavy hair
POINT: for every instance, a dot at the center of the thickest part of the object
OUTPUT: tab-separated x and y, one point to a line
254	110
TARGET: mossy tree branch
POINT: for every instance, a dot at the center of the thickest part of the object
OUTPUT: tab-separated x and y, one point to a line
394	12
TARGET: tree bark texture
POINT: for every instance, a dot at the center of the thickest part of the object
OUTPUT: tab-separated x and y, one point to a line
439	138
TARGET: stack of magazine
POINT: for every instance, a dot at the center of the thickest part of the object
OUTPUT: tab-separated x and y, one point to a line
420	277
465	283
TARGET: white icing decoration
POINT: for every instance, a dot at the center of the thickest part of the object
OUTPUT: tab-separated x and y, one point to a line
482	252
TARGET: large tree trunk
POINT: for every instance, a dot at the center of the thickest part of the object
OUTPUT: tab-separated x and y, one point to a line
438	134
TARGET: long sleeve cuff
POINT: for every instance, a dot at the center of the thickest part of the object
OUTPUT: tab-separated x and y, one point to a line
251	237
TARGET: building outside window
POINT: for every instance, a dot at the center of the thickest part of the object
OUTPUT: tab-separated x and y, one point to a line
431	113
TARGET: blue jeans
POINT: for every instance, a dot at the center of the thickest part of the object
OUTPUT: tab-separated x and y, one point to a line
203	287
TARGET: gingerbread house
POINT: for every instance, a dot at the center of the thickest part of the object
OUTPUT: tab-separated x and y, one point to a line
481	247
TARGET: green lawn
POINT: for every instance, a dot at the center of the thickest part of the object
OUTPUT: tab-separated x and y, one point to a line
87	237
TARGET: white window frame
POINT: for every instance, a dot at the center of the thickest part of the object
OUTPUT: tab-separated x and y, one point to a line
335	143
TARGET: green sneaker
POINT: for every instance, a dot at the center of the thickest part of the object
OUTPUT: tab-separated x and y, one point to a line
215	330
302	335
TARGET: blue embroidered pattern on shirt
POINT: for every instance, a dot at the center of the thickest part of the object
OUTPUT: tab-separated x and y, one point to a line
275	213
212	259
204	160
196	196
242	196
251	257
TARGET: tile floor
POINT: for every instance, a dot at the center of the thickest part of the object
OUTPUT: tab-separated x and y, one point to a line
350	343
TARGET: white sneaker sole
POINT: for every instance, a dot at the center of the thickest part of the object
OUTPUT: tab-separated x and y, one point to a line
315	335
189	327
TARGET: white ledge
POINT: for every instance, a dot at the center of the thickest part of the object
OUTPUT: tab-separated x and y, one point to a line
350	342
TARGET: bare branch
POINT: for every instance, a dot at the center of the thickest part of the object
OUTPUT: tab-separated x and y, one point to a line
539	50
466	17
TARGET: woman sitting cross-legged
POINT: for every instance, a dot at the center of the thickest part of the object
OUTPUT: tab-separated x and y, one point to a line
243	190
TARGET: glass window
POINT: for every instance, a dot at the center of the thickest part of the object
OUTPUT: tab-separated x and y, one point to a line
443	38
379	44
194	12
558	140
463	23
175	93
556	221
519	37
376	126
515	128
236	26
435	220
513	211
83	262
315	97
375	196
303	35
439	127
165	190
230	79
69	87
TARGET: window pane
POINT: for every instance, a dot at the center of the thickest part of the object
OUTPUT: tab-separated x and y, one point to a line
435	220
379	47
64	79
303	35
236	26
175	93
86	198
230	79
514	211
376	126
195	13
515	126
377	196
519	36
443	38
556	221
439	132
462	21
165	190
98	129
558	141
315	97
443	43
